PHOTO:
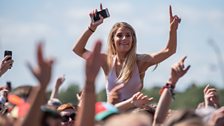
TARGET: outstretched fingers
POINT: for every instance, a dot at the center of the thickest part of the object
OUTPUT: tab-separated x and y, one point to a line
101	6
182	64
40	53
171	14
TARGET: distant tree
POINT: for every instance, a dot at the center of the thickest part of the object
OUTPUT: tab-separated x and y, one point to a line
152	92
69	94
102	96
188	99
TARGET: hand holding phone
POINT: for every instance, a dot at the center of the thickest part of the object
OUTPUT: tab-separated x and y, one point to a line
8	53
104	13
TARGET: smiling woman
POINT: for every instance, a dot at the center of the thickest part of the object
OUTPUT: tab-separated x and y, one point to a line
122	65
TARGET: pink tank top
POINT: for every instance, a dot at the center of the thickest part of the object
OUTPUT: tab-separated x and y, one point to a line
133	86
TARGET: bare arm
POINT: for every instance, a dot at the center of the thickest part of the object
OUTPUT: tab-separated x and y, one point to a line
43	74
138	100
86	112
54	93
79	47
178	70
170	49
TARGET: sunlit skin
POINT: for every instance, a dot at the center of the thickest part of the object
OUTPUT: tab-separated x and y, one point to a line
123	41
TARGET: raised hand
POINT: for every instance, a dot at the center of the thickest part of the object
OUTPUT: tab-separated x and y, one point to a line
94	25
43	70
178	70
210	97
174	20
93	62
59	81
5	65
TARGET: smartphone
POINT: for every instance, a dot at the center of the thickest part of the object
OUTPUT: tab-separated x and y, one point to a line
104	13
9	85
8	53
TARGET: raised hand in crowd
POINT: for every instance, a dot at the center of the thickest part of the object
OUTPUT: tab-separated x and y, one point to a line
95	24
177	71
5	64
86	111
167	92
211	97
44	68
174	20
42	72
59	82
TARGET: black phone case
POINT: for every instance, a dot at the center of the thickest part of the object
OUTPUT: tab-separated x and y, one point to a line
8	53
104	13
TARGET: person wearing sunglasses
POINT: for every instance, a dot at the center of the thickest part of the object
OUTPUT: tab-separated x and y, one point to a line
68	113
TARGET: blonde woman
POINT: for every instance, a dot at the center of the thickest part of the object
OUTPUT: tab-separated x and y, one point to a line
122	65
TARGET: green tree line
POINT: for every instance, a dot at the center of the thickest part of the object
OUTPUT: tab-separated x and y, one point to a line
189	98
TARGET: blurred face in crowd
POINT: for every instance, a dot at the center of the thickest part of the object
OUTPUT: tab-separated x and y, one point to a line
68	117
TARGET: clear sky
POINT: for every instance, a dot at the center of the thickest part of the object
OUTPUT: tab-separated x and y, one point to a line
60	23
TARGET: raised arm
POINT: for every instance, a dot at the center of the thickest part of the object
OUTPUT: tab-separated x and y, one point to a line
211	97
79	47
59	82
170	49
43	74
86	111
177	71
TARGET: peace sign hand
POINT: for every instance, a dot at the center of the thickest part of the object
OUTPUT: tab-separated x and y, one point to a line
174	20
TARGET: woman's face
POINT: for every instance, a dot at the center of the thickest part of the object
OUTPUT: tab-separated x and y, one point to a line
123	40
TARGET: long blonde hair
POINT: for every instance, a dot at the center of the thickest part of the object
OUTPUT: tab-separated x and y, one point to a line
130	60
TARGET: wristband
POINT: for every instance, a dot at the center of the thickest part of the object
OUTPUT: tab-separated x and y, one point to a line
170	87
91	29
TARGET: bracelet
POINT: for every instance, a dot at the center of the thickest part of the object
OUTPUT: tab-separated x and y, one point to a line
170	87
91	29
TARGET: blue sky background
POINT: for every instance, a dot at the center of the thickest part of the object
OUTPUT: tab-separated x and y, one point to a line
60	23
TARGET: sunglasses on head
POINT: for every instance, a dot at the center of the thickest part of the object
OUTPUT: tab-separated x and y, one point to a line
65	118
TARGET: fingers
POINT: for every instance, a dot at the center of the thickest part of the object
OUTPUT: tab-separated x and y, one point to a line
206	88
30	68
140	100
171	13
188	67
101	6
39	53
7	57
183	59
182	65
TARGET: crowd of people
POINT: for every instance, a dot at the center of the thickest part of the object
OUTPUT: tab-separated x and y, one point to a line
124	71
